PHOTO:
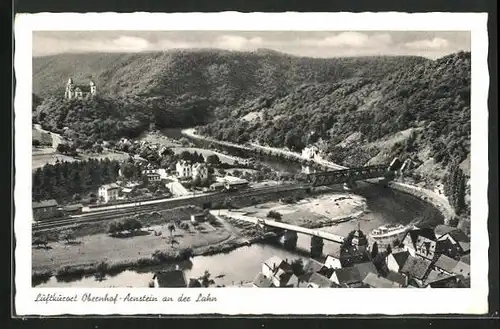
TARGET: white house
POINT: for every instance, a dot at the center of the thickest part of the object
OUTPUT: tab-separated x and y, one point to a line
332	262
108	192
200	170
184	169
310	152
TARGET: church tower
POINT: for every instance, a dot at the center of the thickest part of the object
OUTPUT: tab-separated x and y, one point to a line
68	94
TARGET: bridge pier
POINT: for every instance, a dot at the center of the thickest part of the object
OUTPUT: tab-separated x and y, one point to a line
289	240
316	246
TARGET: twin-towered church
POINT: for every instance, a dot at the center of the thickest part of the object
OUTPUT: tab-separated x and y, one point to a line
79	91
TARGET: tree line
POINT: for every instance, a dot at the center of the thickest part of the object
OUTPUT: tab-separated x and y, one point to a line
63	180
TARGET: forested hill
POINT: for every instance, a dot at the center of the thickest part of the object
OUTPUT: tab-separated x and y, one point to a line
225	77
420	111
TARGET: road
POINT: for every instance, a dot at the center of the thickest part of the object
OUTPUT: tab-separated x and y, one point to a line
271	223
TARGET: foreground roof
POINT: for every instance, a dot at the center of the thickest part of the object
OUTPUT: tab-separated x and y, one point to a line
171	279
416	267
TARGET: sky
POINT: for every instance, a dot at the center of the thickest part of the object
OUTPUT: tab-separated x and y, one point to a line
312	44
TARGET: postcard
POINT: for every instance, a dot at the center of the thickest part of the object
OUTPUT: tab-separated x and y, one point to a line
194	163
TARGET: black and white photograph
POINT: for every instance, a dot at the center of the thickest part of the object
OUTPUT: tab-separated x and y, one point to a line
239	158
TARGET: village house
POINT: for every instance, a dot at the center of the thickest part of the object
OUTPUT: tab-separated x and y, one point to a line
198	218
170	279
280	272
420	242
376	281
454	243
445	264
108	192
333	262
462	269
416	269
313	266
184	169
316	280
45	209
396	260
437	279
346	277
73	209
200	170
238	184
79	91
365	268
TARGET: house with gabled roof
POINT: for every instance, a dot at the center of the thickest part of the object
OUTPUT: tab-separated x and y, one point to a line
437	279
45	209
396	260
377	281
317	280
445	264
346	277
280	272
454	243
365	268
416	269
420	242
462	269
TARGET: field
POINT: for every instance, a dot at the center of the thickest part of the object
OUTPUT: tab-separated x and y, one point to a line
42	156
99	246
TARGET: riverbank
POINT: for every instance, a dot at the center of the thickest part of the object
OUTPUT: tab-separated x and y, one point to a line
437	201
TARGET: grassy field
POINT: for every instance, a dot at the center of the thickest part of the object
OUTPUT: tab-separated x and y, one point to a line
93	245
42	156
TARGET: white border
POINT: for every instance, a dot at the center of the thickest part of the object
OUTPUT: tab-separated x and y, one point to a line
260	301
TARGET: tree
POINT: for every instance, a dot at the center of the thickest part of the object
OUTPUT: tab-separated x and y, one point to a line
115	227
206	280
62	148
196	182
35	143
298	267
213	159
274	215
194	283
171	229
132	225
374	251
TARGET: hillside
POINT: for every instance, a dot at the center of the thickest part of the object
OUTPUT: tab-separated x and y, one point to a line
224	78
420	111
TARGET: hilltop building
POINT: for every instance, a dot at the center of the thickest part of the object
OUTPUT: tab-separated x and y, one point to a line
74	91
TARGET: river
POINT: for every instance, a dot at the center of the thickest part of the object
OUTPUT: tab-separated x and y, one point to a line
243	264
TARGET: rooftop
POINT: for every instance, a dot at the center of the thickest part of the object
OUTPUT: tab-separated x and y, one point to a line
436	276
377	281
400	257
171	279
365	268
111	186
347	275
320	280
446	263
416	267
44	204
313	266
462	269
398	278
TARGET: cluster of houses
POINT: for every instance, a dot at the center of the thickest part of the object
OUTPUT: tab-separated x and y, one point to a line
426	259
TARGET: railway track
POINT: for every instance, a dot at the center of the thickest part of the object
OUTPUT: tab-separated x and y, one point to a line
110	214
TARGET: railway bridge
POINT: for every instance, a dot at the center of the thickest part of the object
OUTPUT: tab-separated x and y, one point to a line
350	175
